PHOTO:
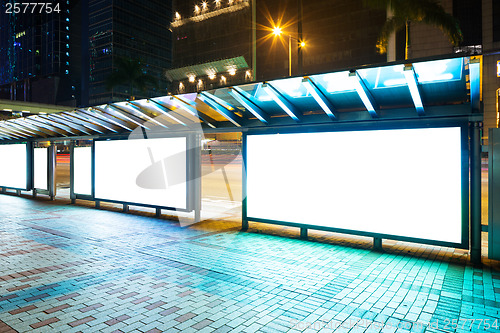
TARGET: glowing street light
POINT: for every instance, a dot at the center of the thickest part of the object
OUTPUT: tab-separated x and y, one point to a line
277	31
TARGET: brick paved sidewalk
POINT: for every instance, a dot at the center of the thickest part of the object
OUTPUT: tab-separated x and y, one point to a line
67	268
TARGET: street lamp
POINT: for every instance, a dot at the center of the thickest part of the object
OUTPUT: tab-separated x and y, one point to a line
301	44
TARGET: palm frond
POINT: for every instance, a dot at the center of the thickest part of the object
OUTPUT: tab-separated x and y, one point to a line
390	26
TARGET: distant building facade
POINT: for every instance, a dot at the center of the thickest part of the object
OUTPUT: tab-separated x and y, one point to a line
227	42
130	29
35	53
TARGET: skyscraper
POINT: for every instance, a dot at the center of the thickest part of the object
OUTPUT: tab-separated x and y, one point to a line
130	29
35	52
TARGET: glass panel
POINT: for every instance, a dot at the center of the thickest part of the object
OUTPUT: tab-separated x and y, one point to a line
41	165
83	170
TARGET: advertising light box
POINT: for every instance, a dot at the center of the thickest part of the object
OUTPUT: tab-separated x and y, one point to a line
41	165
404	182
82	159
150	172
13	166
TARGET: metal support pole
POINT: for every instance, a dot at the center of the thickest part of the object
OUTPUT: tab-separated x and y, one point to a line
244	225
125	208
18	192
299	31
475	192
303	233
158	212
377	244
34	193
4	190
97	204
289	55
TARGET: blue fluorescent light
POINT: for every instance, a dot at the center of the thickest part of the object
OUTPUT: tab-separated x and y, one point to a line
225	113
186	105
284	104
248	106
355	79
218	100
411	80
320	100
475	78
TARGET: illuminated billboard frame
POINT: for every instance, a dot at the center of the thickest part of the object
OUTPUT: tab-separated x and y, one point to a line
41	169
81	172
188	202
463	241
22	170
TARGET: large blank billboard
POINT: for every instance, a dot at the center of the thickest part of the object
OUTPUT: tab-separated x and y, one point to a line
150	172
405	182
13	166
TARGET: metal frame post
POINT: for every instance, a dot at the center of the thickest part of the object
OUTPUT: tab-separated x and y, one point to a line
72	194
475	192
52	171
377	244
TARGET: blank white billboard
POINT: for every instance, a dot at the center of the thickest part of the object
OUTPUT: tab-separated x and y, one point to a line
397	182
82	170
151	171
41	165
13	166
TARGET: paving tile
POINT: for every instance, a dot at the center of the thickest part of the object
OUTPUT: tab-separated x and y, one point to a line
101	271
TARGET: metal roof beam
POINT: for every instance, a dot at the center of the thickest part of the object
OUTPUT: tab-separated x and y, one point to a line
137	108
101	114
244	99
14	131
284	104
186	106
119	113
165	111
24	123
68	123
37	122
7	133
319	97
207	98
58	123
411	80
27	129
365	95
87	122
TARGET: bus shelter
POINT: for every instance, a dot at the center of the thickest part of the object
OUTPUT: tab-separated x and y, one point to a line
389	152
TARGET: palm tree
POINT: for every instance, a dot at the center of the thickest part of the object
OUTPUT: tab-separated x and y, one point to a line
405	11
130	72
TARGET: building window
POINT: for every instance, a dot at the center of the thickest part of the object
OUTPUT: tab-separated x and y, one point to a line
496	20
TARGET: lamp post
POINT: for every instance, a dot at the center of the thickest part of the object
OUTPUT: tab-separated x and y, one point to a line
300	44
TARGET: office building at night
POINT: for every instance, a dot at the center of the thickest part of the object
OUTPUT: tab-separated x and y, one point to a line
136	30
36	54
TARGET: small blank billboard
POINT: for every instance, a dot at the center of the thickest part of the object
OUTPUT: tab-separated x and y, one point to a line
149	171
404	182
82	170
41	168
13	166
